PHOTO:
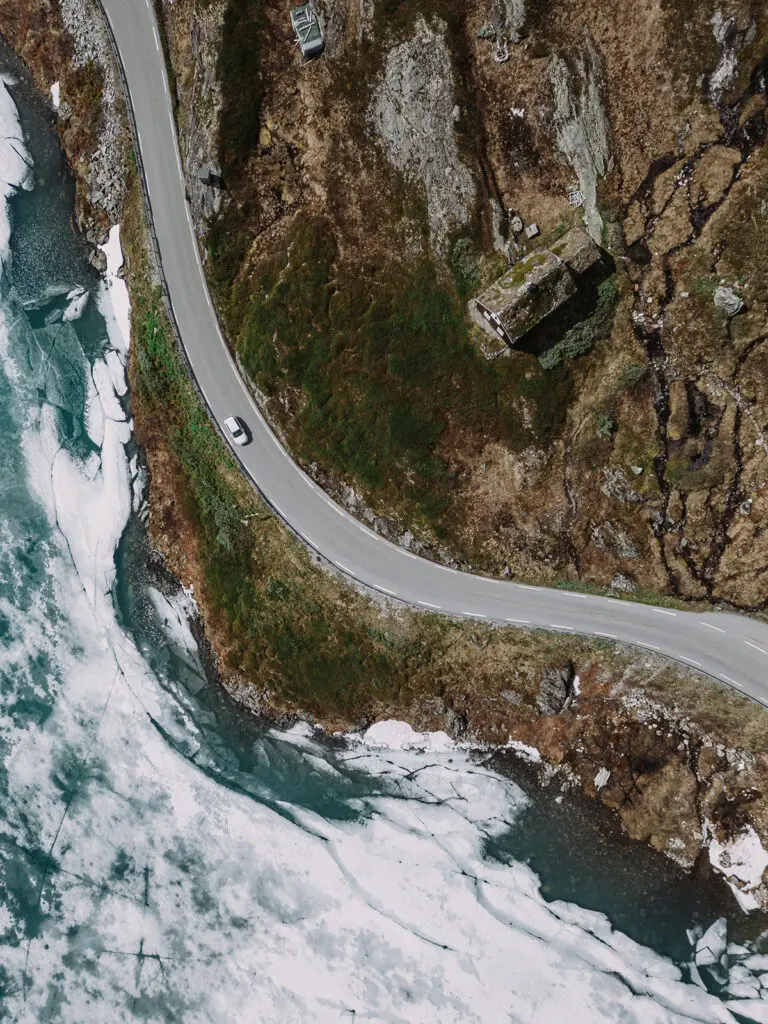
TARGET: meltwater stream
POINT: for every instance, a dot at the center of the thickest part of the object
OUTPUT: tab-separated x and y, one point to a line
162	856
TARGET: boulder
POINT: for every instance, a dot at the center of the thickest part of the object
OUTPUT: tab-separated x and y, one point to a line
555	690
728	302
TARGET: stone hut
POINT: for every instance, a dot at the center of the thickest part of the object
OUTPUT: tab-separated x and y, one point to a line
533	288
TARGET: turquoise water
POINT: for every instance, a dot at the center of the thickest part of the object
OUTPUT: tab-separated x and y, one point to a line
166	857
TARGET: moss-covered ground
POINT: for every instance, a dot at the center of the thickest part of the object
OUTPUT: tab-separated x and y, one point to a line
380	365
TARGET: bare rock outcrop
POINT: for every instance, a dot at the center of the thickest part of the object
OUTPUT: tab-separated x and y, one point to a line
581	125
108	161
555	690
413	114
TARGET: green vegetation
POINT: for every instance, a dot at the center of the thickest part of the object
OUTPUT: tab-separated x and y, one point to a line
466	266
632	374
605	425
307	637
582	337
377	364
85	89
290	627
688	474
240	77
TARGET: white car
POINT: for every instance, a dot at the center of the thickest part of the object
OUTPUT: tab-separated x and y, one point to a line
236	429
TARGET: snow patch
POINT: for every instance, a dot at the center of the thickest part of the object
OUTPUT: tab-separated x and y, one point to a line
601	779
742	860
56	95
113	300
394	735
530	754
15	166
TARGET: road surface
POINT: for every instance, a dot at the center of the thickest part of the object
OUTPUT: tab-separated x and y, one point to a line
732	648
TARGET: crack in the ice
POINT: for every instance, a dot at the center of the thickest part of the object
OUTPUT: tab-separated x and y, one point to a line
49	855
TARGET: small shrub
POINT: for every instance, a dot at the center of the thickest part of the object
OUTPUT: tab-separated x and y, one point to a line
605	425
581	338
632	374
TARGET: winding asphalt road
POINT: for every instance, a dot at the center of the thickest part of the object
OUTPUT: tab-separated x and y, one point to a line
732	648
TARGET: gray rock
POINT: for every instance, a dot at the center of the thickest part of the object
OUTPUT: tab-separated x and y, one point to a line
727	301
607	536
456	723
582	126
412	114
108	162
555	690
623	584
510	17
98	260
64	111
512	696
615	485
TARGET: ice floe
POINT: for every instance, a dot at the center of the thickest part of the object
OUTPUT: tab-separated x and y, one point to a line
15	165
77	300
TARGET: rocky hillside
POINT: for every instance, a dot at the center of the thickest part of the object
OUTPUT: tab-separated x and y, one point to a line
370	193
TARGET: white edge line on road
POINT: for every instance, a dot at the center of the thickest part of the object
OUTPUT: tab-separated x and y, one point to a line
385	591
475	615
572	593
691	661
566	629
343	567
426	604
653	647
157	41
733	682
662	611
710	626
525	586
611	636
750	644
521	622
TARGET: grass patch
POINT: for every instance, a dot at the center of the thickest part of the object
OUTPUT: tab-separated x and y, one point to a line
583	336
378	364
640	595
